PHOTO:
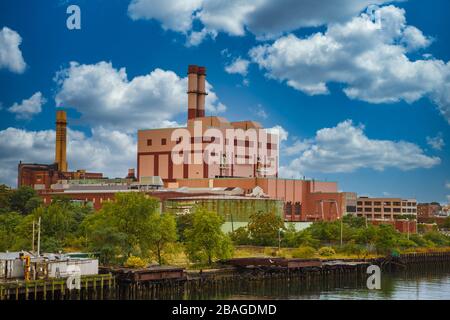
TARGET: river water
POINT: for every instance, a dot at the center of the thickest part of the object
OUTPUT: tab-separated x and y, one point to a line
424	284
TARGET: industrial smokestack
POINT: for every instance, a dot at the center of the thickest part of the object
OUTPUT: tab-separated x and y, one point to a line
61	140
201	94
192	91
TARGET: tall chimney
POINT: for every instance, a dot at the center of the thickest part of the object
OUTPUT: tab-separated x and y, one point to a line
61	140
192	91
201	94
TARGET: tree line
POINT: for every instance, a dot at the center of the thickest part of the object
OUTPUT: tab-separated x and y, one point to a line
132	231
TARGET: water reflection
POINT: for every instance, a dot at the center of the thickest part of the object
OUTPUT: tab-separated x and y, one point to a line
431	283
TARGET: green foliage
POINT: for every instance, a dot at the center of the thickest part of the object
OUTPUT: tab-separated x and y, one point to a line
386	238
122	227
241	236
293	238
437	238
325	231
304	252
205	240
135	262
161	232
326	252
446	224
5	195
264	227
24	200
184	222
8	223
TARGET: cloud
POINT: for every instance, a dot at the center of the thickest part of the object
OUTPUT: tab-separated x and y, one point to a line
263	18
110	152
283	134
297	147
368	56
238	66
346	148
28	107
10	54
104	96
437	143
260	112
447	185
176	15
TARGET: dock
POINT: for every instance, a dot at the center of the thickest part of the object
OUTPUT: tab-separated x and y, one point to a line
93	287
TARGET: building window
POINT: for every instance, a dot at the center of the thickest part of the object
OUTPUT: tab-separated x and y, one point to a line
288	209
178	140
163	141
149	142
377	203
298	209
368	203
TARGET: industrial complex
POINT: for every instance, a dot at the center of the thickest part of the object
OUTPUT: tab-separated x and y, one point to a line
228	167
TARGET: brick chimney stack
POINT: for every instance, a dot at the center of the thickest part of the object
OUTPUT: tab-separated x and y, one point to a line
196	91
61	140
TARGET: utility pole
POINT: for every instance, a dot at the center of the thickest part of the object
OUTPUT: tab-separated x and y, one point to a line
279	239
32	245
39	238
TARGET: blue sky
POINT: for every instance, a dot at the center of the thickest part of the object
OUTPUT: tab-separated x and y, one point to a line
352	112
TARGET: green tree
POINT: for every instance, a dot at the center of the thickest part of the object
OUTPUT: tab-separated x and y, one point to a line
8	224
264	228
103	238
5	197
386	238
122	228
446	224
205	240
437	238
162	232
240	236
24	200
130	214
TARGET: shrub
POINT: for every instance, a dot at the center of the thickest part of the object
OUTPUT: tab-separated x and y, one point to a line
240	236
304	252
326	252
135	262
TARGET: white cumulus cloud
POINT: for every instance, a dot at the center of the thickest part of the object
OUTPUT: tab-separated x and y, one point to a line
437	143
367	55
238	66
105	96
10	55
175	15
28	107
346	148
263	18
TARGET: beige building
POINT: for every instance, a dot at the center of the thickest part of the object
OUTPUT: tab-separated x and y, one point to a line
386	208
208	147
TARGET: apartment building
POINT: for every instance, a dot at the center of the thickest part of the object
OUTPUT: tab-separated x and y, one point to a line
386	208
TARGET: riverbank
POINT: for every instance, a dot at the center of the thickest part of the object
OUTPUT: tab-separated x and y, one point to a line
233	275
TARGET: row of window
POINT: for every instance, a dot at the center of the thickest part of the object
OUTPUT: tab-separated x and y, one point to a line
296	209
396	210
387	203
